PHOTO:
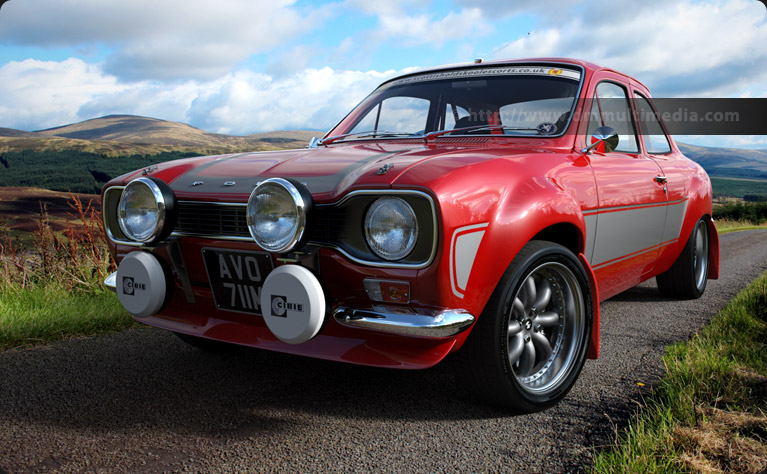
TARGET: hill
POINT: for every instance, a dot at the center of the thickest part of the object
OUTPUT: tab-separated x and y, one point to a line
729	162
122	135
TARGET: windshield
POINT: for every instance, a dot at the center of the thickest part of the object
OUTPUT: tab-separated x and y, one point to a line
511	100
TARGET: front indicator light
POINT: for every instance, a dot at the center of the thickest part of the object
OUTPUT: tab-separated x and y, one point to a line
387	291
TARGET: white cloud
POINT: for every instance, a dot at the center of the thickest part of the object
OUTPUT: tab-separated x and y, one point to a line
37	94
676	48
390	7
169	39
292	61
41	94
313	98
422	29
400	21
560	11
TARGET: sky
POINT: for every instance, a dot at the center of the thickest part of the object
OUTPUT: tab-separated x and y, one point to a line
248	66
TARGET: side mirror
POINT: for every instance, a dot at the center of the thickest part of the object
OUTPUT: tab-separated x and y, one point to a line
603	135
313	142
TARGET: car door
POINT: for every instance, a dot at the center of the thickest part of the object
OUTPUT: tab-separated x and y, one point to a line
631	213
676	168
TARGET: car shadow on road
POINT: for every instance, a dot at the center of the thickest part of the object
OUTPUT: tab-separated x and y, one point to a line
646	292
147	377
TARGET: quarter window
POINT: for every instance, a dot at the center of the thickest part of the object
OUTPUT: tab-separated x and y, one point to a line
655	140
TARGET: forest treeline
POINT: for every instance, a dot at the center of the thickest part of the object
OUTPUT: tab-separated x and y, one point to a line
755	212
73	171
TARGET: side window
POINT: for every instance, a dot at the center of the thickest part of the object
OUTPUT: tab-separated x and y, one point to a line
655	140
611	108
396	114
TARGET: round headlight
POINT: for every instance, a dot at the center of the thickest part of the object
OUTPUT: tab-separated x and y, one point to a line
391	229
146	208
276	215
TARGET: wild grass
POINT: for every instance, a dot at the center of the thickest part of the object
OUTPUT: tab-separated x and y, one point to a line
708	414
724	226
55	289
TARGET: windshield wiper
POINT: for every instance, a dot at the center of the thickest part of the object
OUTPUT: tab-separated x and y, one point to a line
367	134
474	128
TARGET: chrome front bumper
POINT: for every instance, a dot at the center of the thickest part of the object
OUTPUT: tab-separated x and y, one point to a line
111	282
437	325
445	323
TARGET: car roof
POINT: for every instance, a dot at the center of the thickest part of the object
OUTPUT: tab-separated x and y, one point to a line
586	65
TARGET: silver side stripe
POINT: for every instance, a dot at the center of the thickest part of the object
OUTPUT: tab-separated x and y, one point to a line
635	254
623	232
464	246
675	219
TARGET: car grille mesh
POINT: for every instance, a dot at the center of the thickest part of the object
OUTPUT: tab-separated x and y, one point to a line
229	221
209	219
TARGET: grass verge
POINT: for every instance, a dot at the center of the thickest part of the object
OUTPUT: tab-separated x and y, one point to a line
724	226
54	290
40	315
708	414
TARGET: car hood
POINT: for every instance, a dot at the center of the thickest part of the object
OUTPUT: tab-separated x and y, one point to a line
328	173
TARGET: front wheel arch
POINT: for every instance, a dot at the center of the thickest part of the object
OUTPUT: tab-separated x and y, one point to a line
548	343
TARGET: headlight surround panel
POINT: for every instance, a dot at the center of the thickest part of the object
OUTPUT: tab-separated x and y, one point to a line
146	212
338	225
342	225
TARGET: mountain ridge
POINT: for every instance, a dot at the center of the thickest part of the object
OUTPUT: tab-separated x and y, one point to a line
119	135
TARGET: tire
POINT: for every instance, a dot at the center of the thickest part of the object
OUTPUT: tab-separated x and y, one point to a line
687	278
207	345
529	345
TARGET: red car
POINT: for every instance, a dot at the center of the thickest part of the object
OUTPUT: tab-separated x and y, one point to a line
483	209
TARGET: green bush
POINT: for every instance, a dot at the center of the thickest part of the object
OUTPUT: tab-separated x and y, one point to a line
755	212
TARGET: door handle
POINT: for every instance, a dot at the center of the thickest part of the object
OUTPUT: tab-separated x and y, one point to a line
661	179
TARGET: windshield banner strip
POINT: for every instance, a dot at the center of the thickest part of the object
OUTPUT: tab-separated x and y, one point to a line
492	71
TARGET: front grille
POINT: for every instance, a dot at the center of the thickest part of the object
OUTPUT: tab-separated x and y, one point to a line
327	224
213	220
338	225
229	221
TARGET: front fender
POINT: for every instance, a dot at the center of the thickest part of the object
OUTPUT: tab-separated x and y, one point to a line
489	211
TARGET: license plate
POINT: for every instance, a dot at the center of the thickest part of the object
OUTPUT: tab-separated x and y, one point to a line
236	278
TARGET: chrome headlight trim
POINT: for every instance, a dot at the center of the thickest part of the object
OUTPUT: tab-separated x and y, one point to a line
301	203
162	207
407	213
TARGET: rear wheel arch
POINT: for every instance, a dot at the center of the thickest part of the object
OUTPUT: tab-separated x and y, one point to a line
687	277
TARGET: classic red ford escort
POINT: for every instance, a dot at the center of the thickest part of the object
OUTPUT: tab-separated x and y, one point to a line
484	209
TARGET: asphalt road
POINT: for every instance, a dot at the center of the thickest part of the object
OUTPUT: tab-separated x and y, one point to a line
142	401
